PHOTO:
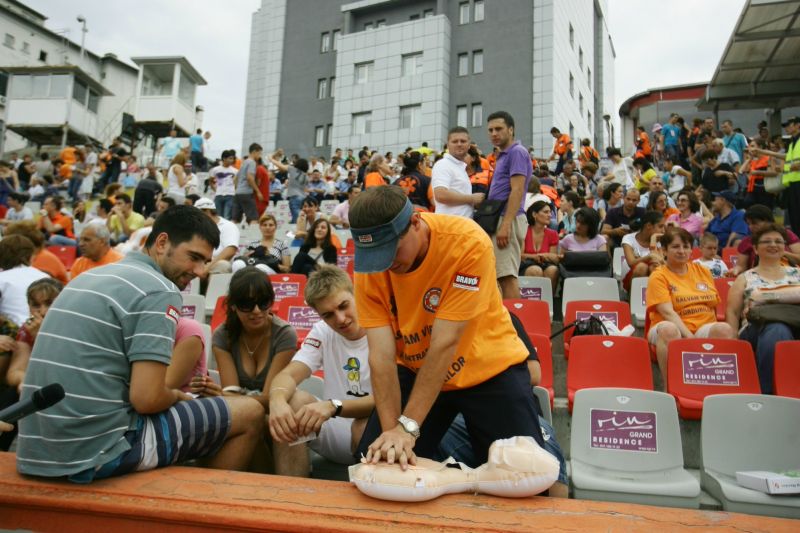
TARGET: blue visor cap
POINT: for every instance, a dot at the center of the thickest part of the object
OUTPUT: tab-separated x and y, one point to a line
376	246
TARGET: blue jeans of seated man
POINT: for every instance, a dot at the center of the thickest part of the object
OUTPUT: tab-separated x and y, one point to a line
60	240
455	444
763	340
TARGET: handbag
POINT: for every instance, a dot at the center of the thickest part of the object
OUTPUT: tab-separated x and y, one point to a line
774	184
582	264
769	313
585	326
488	214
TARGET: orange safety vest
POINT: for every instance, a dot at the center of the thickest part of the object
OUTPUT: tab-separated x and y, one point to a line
551	193
563	144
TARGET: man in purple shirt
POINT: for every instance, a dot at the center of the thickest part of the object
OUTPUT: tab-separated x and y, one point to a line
512	173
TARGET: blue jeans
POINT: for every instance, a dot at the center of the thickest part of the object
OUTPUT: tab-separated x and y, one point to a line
74	187
673	151
295	205
224	205
455	444
60	240
763	340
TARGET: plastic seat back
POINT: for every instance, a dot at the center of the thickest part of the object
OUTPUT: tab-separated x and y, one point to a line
217	286
194	307
697	368
66	254
545	354
787	369
601	361
723	286
534	315
618	313
299	314
589	289
639	301
730	255
287	285
220	312
537	289
629	430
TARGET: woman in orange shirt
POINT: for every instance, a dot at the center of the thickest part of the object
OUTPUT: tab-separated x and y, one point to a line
681	298
758	168
378	172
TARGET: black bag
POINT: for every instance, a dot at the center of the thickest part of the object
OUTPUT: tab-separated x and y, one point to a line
768	313
585	326
488	214
583	264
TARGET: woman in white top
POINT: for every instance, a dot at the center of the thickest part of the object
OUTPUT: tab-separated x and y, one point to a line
177	179
622	172
641	248
679	177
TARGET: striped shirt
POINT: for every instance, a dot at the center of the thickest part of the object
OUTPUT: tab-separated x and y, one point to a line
101	323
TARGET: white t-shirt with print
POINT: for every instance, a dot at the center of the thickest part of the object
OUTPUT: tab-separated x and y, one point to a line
224	176
345	362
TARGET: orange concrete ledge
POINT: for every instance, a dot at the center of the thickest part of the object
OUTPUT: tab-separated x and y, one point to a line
193	499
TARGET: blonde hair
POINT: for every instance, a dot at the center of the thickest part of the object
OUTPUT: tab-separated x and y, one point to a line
709	238
267	216
325	281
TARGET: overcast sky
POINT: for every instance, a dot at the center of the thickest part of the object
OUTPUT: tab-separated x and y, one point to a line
657	42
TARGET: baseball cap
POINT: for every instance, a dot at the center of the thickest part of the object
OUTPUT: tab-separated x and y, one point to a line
205	203
791	120
728	195
656	127
376	246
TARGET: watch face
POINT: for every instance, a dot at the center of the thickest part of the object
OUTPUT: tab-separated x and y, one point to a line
337	403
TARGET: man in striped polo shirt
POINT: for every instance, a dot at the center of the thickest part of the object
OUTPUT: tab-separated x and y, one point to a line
108	340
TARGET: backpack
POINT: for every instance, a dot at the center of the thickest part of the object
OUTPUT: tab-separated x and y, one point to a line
585	326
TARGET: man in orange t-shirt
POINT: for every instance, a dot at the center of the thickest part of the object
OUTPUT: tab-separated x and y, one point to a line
95	246
562	149
440	340
56	224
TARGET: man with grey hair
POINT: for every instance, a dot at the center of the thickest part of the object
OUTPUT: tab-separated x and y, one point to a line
95	246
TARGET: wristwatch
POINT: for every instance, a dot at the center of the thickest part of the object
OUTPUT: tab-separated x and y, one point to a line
409	425
338	405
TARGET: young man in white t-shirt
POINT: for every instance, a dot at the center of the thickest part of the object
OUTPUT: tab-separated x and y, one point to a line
338	345
224	175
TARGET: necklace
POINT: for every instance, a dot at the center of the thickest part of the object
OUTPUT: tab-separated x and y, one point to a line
247	347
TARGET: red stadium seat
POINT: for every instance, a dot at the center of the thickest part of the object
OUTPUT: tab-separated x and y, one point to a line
730	254
299	315
350	245
535	315
287	285
723	285
618	312
65	254
787	369
697	368
696	253
220	313
545	353
604	361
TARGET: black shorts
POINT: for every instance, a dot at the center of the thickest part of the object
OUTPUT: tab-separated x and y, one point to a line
498	408
244	204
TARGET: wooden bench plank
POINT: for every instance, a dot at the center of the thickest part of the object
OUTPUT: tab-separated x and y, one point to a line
195	499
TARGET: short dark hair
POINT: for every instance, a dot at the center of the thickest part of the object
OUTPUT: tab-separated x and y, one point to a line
106	204
301	165
759	213
555	130
611	150
124	197
15	250
182	223
610	189
768	228
708	154
507	118
170	201
650	217
457	129
694	203
590	217
671	233
58	202
311	200
255	147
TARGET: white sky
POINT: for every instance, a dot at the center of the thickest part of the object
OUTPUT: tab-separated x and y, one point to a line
657	42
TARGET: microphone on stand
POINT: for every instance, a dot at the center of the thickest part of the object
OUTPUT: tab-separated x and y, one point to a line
43	398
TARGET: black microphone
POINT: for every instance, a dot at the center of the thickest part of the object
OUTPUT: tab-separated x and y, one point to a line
43	398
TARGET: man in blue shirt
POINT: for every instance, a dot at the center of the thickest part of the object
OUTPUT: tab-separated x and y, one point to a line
671	132
196	147
733	140
728	223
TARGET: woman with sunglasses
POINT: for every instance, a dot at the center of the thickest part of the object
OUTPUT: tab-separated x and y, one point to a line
251	348
688	216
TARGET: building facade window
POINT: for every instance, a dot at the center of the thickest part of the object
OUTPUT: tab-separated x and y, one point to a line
571	85
461	116
411	64
26	48
364	72
381	23
571	131
589	119
410	116
571	36
477	115
415	16
334	36
319	136
325	42
79	90
589	77
42	55
477	62
580	57
368	26
322	88
478	11
328	134
463	13
580	103
331	87
427	13
463	64
9	40
362	123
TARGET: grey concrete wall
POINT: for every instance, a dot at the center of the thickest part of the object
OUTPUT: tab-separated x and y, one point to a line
393	13
505	84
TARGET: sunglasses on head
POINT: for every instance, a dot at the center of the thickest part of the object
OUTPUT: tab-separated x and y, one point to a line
248	305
